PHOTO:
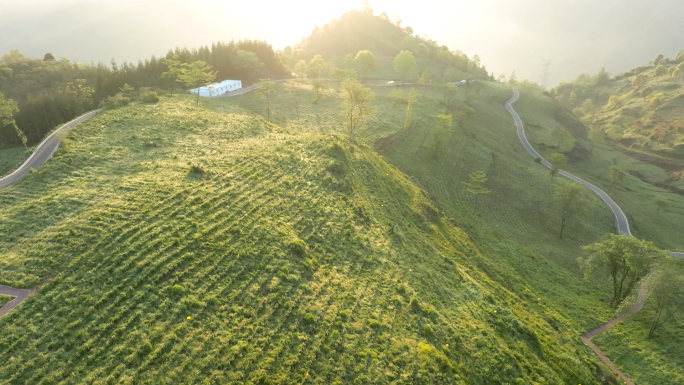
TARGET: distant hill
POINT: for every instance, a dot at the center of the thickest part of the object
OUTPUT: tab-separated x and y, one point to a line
641	111
357	30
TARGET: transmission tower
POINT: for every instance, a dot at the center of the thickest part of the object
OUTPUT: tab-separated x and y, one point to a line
547	72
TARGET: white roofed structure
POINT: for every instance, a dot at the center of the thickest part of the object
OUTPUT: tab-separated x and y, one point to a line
217	89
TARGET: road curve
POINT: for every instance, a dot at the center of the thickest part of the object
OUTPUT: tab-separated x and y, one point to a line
621	221
18	296
42	153
622	228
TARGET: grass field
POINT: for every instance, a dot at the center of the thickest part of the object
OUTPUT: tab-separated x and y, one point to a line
10	159
207	245
4	300
513	225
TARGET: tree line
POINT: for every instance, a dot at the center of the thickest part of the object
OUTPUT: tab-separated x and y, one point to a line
49	92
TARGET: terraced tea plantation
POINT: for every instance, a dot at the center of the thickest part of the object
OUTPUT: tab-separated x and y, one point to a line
207	245
516	225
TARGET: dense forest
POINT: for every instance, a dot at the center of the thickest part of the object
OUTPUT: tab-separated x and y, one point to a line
51	91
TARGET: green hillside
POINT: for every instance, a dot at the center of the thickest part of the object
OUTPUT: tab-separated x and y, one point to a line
204	244
10	159
515	226
640	111
357	30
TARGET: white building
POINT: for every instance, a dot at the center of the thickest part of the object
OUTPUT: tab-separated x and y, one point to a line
217	89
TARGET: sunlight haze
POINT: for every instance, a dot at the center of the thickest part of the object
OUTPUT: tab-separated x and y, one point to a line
578	36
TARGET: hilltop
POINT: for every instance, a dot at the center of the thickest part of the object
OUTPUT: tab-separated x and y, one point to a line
359	30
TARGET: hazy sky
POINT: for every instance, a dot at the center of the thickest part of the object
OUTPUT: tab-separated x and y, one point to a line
579	35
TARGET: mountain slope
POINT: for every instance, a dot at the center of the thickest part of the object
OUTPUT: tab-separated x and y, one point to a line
191	244
516	224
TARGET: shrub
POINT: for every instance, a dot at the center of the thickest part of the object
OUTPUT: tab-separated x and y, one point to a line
309	318
115	101
150	97
197	169
177	290
298	246
646	91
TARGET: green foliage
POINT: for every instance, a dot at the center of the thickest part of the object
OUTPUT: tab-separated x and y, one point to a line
617	175
197	74
443	127
116	101
264	90
623	261
403	63
356	105
315	66
661	203
558	161
318	86
247	61
127	91
569	201
474	185
646	91
597	139
367	62
8	108
174	69
150	97
665	293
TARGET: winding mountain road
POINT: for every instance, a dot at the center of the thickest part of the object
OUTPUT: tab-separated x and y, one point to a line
40	155
43	152
622	225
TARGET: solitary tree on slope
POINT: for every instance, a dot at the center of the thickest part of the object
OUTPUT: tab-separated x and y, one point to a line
624	260
264	90
569	200
197	74
403	63
357	109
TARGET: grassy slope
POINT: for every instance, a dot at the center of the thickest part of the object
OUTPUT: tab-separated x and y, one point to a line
386	287
512	225
657	361
10	159
634	121
634	196
4	299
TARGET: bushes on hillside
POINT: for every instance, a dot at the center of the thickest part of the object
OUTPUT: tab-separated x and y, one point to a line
646	91
149	97
116	101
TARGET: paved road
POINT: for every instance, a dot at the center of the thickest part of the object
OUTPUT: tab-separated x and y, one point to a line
620	218
19	296
43	152
622	228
